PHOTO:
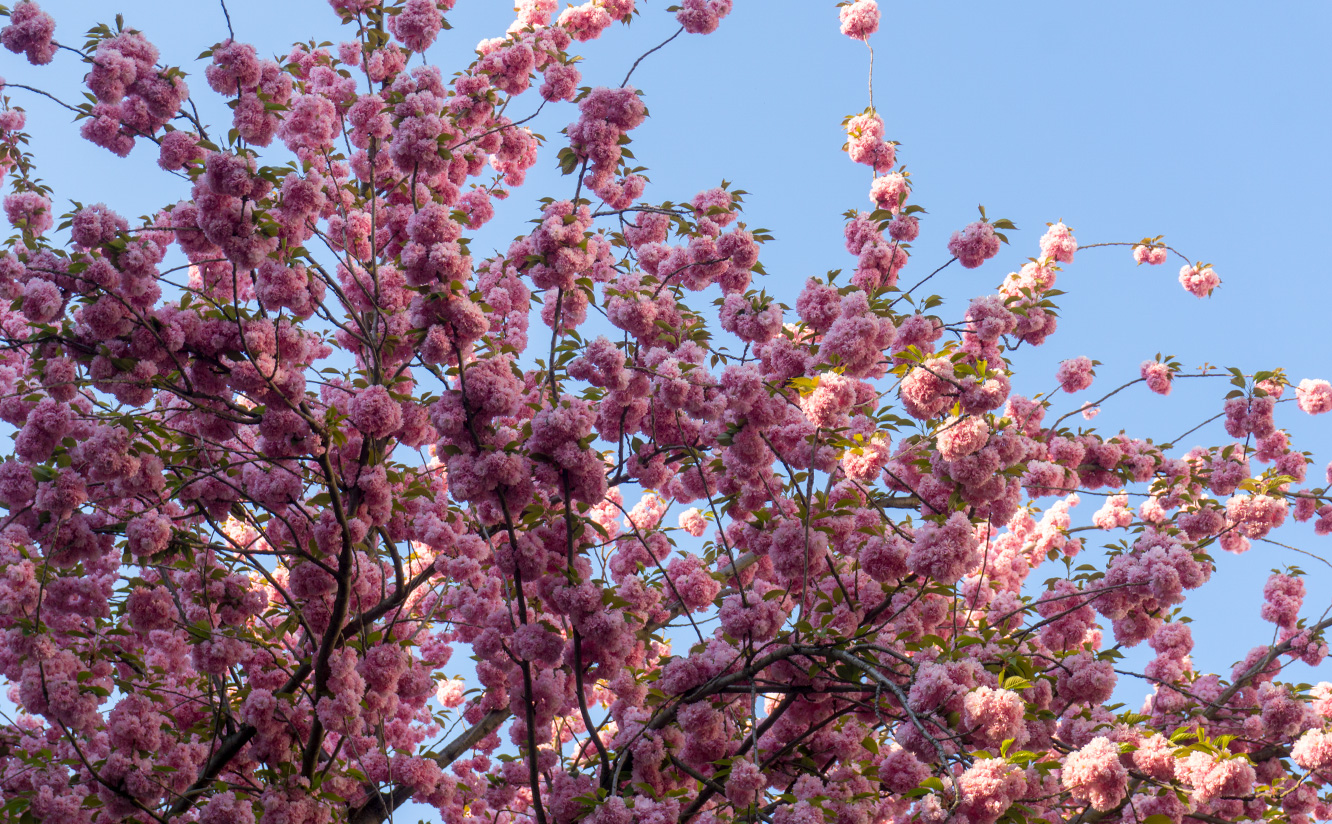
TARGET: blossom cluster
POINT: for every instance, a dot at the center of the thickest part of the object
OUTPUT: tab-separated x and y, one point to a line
810	560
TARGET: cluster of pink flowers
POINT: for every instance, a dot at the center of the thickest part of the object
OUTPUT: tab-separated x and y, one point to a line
1212	778
1199	280
1153	255
859	19
945	552
1314	396
29	211
1023	292
1075	374
1158	376
418	23
994	716
865	143
1254	516
31	31
1313	751
1095	775
974	244
878	260
890	191
254	532
1250	416
961	437
1058	243
702	16
607	115
1282	597
588	21
134	98
1114	514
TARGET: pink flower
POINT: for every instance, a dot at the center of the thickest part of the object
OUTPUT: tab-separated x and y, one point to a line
994	716
1212	778
1246	416
148	534
818	305
311	123
1313	751
1198	282
585	22
1283	595
715	205
901	771
31	31
1094	774
42	301
535	643
534	12
1314	396
974	244
1083	679
1254	516
1158	376
702	16
1058	243
1075	374
417	25
450	692
693	522
691	581
904	228
890	191
865	143
352	8
1156	755
860	19
30	209
928	389
744	782
374	413
945	553
561	82
884	559
235	68
225	808
177	149
989	788
1114	514
1154	255
96	224
962	437
989	319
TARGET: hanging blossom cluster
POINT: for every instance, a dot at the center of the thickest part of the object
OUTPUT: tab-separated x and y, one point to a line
799	562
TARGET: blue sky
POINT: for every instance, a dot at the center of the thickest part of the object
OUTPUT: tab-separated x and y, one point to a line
1205	122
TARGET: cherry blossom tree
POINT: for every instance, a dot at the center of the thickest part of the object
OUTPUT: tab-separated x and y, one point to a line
285	449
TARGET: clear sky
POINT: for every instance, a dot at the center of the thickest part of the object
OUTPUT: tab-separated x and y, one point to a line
1203	121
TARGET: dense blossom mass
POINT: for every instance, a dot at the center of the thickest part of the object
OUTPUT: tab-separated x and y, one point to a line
794	564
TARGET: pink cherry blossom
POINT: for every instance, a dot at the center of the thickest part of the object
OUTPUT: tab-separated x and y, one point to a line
31	31
1314	396
1154	255
860	19
1058	243
1075	374
417	25
1094	774
1199	282
974	245
1158	376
